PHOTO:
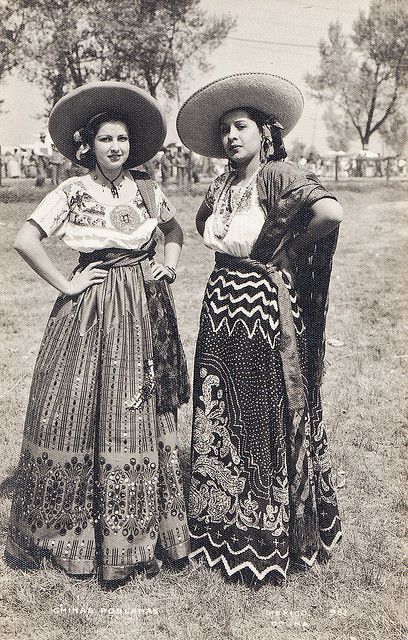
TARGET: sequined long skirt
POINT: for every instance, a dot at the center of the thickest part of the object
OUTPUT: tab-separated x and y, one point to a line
98	485
244	483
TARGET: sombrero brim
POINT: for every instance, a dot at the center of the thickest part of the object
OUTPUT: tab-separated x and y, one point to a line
139	110
198	118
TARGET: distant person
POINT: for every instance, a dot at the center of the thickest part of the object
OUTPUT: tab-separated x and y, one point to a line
195	167
261	491
180	162
13	165
99	486
57	162
32	170
166	166
42	150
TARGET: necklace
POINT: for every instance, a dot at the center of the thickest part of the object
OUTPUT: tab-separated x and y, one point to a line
230	205
113	188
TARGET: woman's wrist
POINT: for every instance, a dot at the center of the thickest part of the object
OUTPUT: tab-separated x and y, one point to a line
172	273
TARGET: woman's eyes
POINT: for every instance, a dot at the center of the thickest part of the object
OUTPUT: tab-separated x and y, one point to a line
109	139
226	130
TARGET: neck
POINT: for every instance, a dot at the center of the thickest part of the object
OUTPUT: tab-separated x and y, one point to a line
111	174
246	171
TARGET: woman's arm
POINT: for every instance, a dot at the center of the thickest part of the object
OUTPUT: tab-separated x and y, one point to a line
28	244
203	213
173	242
327	214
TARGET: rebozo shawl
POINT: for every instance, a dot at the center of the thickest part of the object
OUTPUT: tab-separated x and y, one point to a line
286	194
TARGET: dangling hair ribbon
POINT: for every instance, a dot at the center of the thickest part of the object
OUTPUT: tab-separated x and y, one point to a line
84	146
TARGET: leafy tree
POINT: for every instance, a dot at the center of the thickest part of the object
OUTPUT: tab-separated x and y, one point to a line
395	133
56	46
151	42
341	130
11	27
365	77
148	42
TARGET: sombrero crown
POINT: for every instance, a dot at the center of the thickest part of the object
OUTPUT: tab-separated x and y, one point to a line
199	117
138	109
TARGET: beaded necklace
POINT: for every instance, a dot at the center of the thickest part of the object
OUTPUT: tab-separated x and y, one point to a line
228	204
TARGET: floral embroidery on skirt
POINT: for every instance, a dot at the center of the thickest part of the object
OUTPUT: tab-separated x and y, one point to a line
240	503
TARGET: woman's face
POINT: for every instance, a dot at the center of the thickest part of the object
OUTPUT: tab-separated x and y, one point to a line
240	136
111	146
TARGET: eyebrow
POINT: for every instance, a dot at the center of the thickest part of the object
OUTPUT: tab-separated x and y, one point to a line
243	119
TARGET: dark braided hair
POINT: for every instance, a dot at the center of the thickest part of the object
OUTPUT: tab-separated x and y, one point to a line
271	131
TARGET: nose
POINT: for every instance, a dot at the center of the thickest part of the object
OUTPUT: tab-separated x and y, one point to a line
232	133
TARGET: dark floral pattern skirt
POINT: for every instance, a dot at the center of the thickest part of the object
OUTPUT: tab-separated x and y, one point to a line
98	482
240	503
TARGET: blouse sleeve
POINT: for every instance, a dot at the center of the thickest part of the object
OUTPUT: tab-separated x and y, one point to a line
51	212
165	209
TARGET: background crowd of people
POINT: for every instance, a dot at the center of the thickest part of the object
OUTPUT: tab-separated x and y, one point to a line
176	164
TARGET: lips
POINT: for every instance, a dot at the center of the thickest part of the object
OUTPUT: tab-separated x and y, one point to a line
234	147
114	157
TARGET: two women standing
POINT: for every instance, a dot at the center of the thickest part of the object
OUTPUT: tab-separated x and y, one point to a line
99	481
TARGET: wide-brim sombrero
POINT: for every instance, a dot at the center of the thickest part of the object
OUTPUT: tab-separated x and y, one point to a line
198	118
139	110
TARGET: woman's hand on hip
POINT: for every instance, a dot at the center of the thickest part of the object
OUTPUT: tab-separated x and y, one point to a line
160	272
89	276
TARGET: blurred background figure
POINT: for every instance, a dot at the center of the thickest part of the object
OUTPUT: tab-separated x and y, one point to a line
166	166
43	151
13	164
180	162
195	167
31	165
57	162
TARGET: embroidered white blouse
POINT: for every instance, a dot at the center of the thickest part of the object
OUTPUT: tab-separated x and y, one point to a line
78	214
242	208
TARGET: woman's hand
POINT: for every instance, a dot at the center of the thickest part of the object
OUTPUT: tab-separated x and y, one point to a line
281	259
160	272
219	227
89	276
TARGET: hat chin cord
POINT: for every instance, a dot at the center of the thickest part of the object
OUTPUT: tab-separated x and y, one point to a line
114	189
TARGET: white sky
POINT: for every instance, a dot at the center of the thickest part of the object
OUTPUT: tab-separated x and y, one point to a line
290	22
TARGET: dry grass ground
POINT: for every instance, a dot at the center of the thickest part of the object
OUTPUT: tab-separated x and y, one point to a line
359	594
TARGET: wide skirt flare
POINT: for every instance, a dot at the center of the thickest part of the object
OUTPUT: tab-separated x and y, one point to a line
98	483
246	489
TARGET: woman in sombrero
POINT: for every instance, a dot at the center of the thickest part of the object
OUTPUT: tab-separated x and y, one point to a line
98	484
261	493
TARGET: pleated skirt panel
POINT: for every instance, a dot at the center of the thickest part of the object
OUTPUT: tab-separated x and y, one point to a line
98	482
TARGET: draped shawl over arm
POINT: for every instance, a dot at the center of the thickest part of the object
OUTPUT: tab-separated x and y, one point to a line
286	194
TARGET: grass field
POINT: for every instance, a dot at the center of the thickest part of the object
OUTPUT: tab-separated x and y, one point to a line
359	594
